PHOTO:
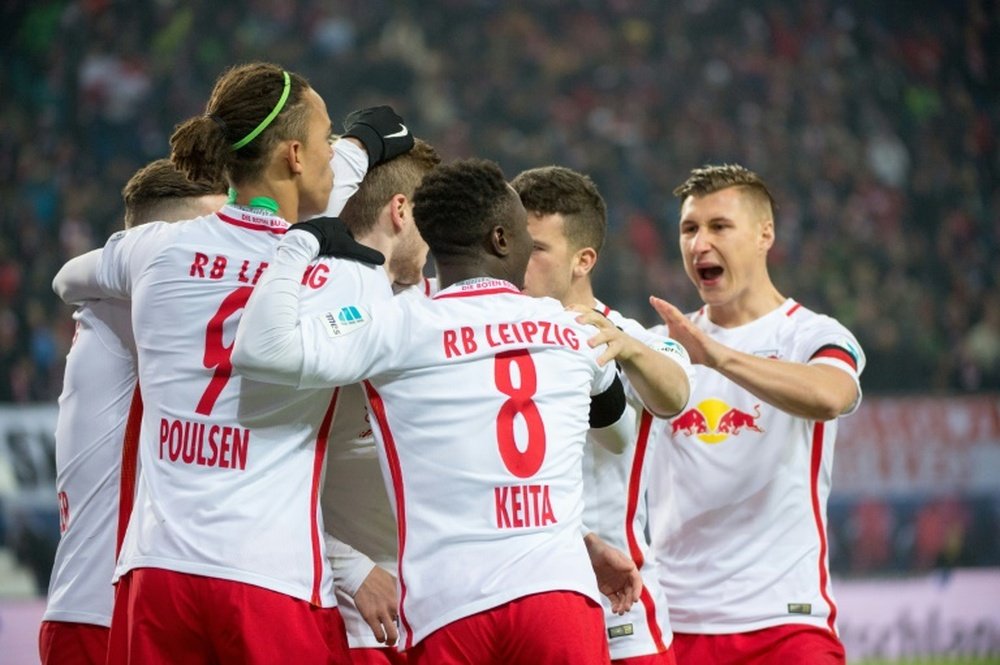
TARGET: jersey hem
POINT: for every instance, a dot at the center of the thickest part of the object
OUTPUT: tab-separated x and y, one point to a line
731	629
69	616
302	592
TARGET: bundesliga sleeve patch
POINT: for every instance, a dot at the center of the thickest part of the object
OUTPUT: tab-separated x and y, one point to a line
837	352
671	348
344	321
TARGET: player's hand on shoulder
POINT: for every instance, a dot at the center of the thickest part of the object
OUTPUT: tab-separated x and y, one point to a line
376	600
620	345
335	239
381	131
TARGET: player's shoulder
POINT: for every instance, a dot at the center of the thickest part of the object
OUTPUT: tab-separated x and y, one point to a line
803	320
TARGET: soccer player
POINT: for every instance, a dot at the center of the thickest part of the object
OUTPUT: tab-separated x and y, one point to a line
224	559
480	398
90	431
567	218
737	500
356	509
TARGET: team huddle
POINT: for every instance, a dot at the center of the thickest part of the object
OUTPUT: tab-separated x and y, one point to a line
278	442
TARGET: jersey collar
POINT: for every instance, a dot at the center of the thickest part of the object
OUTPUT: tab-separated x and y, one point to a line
478	286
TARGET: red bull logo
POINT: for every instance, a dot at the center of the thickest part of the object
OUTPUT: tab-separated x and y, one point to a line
713	421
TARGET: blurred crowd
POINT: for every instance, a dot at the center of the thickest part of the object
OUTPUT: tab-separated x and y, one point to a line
876	125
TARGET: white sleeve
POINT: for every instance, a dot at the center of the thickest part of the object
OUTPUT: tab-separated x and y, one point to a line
77	280
350	165
350	567
268	345
337	347
825	341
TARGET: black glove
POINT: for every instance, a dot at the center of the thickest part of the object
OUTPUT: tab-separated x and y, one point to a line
381	131
336	240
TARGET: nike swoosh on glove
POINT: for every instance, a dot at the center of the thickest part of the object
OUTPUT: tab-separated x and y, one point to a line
336	240
381	131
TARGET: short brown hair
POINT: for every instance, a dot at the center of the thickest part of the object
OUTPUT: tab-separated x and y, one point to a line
712	178
548	190
400	175
242	98
157	190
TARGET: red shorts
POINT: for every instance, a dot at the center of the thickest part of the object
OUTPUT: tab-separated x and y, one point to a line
68	643
555	628
665	658
790	643
162	616
378	656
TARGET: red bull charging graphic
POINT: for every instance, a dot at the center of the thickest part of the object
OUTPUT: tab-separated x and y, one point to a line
713	420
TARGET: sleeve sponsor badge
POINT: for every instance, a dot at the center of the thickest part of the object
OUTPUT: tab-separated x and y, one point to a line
344	321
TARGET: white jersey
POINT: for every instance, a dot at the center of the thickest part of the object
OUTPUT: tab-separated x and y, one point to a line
739	490
479	398
98	384
615	508
356	507
231	467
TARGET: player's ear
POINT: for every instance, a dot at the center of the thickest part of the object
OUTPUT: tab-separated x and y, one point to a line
766	234
400	213
499	241
584	261
291	152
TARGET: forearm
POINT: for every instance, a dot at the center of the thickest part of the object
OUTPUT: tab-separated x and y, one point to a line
76	281
350	567
816	392
350	165
661	383
268	344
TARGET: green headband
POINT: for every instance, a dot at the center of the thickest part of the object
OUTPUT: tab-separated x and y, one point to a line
270	116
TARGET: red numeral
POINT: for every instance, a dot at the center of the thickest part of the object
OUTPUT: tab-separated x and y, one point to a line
217	354
521	464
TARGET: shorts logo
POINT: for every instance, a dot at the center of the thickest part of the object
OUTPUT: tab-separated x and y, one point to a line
800	608
623	630
347	320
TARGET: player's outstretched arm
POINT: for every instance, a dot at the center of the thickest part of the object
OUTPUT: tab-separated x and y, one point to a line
76	281
618	577
660	381
816	392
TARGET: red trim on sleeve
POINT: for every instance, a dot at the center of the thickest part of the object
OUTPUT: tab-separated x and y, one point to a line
427	287
824	575
318	458
836	353
129	467
634	485
793	309
377	407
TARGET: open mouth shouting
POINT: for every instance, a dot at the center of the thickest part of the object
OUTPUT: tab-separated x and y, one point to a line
709	274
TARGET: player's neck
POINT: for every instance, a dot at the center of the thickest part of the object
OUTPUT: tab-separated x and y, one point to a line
746	307
286	202
580	292
382	243
458	269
